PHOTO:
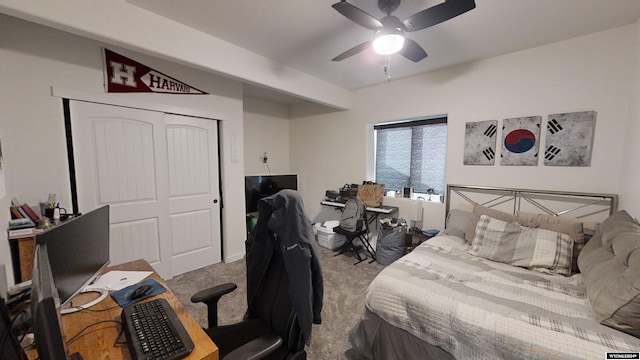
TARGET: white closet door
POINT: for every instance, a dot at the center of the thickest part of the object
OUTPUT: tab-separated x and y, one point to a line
194	207
122	158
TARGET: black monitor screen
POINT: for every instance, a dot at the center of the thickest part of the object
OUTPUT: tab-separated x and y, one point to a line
78	250
259	186
47	329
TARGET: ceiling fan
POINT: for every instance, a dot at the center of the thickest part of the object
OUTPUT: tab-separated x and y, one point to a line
389	31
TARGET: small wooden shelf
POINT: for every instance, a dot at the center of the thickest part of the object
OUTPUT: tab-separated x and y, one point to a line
22	249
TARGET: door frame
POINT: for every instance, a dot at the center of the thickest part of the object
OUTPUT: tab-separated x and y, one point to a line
107	99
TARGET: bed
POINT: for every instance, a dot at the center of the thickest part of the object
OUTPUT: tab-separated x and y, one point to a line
451	298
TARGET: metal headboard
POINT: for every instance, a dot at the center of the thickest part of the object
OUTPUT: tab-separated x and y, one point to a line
574	204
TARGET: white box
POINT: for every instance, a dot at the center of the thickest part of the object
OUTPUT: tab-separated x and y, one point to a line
328	239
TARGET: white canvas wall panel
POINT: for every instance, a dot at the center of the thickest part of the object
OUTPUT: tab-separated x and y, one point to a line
569	140
520	141
480	142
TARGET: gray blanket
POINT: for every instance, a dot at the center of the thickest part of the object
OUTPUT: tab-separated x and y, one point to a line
479	309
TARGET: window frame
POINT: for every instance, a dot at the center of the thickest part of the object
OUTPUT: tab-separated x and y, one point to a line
440	119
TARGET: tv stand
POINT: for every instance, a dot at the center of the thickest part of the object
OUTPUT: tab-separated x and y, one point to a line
103	294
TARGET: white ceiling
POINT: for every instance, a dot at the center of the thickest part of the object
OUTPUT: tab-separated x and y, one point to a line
306	35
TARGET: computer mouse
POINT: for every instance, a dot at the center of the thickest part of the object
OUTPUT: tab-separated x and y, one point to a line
141	291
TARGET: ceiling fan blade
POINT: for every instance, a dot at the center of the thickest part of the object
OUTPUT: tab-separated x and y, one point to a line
357	16
412	51
438	13
354	50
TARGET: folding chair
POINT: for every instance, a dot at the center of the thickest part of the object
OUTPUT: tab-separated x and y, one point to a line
352	236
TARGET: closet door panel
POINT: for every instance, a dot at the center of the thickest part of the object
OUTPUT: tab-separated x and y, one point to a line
120	160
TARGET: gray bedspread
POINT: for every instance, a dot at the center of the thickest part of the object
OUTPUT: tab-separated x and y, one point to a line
474	308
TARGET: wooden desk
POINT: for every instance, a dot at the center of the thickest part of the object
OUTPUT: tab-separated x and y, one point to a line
98	341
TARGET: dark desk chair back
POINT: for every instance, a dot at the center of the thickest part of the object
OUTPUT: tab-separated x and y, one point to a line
9	346
272	328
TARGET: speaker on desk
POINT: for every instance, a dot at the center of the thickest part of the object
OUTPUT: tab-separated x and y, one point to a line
407	191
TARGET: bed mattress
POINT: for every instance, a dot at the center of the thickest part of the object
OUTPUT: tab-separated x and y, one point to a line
474	308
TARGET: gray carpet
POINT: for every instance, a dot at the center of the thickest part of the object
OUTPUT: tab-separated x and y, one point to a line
344	288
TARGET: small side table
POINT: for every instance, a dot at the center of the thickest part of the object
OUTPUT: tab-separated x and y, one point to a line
414	238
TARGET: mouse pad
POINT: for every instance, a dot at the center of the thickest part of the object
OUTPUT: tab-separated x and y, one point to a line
122	296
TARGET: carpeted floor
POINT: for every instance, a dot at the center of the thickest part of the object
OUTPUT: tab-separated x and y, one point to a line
344	288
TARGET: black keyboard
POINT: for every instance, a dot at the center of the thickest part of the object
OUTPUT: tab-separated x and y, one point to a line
154	331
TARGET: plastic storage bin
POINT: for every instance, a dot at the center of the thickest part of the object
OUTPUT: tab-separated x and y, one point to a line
328	239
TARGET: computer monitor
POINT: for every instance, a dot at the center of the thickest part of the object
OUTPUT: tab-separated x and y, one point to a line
258	186
45	309
78	250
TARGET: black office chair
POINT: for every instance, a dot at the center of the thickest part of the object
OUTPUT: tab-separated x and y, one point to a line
361	233
280	310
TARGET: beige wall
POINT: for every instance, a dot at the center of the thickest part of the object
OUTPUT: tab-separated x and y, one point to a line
266	129
121	23
595	72
35	58
630	176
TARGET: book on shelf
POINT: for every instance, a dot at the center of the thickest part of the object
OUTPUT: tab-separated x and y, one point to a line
30	213
15	224
15	213
22	232
22	212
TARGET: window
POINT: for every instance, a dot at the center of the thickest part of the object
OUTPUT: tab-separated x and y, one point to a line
412	154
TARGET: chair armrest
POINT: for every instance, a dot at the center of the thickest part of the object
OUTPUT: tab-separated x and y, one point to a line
215	292
256	349
210	298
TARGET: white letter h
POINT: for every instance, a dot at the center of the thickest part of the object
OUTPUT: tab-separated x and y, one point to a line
123	74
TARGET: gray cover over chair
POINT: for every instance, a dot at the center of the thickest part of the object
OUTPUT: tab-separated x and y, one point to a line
284	286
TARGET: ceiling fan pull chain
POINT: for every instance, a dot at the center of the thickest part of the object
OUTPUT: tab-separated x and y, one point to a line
387	67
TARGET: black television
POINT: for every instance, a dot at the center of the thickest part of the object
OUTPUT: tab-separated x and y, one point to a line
78	250
45	309
258	186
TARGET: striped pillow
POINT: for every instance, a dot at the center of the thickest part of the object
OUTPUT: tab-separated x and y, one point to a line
572	227
536	249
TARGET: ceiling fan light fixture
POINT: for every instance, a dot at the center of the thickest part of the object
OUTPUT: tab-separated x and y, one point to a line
389	31
388	41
